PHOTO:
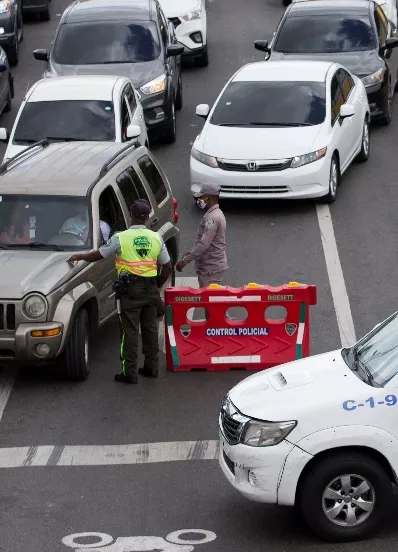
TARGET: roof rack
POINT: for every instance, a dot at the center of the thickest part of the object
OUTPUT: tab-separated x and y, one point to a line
105	167
4	166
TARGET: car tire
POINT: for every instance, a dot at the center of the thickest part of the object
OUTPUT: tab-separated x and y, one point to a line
363	155
331	478
46	15
334	180
387	116
77	353
178	102
13	54
203	59
170	132
8	105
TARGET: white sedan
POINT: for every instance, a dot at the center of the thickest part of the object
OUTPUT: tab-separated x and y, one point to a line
95	108
190	23
285	129
320	433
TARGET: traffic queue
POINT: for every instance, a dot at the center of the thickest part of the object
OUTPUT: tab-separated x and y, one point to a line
79	184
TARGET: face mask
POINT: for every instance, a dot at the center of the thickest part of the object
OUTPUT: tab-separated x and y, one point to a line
201	203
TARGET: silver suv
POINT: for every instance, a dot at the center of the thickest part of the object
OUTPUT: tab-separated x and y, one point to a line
58	198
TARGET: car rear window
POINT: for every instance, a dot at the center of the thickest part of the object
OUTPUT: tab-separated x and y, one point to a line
255	104
325	33
66	120
104	43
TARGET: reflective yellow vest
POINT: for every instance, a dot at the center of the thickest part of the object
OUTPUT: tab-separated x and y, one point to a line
140	249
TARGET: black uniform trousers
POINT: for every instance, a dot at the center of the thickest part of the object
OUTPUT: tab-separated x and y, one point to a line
140	308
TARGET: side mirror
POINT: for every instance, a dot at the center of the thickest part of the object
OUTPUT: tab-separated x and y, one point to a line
175	50
133	131
261	45
41	55
347	110
389	44
4	135
2	68
203	110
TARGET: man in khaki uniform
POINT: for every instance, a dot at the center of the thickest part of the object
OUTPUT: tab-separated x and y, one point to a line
209	250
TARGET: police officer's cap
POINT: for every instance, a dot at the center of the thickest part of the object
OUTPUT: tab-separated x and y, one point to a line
208	189
141	208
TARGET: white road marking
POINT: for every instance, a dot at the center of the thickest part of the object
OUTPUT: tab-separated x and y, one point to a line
336	277
107	455
7	377
172	543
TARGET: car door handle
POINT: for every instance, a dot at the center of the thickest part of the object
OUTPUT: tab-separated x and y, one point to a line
154	221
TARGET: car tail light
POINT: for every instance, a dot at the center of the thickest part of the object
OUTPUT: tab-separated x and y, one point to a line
175	205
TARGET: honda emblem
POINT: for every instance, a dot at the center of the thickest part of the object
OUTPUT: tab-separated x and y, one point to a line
251	166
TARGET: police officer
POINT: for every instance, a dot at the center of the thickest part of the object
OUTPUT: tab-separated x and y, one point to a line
209	249
138	251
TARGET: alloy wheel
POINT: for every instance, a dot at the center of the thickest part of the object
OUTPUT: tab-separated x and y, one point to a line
348	500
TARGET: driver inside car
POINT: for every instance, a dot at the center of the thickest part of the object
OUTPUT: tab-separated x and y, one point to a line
79	226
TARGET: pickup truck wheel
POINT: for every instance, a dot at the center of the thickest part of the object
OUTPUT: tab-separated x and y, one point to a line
77	354
345	497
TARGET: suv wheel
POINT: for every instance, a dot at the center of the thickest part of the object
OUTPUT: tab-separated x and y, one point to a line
345	497
13	54
77	353
178	102
170	133
203	60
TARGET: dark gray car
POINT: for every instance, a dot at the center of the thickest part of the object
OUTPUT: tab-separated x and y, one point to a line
12	25
126	38
357	35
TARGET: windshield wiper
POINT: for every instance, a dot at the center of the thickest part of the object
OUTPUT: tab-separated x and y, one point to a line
38	245
25	141
281	124
233	124
365	369
59	139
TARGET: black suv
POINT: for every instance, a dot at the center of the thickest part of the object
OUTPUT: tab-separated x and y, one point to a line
357	35
126	38
11	23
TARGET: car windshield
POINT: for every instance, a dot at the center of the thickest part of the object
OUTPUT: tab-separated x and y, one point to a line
378	351
324	34
66	120
45	222
111	42
271	104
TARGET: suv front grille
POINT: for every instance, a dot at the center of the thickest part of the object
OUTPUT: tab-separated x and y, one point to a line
261	167
7	317
232	421
176	21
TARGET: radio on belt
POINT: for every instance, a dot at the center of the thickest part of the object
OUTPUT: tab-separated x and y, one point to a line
221	343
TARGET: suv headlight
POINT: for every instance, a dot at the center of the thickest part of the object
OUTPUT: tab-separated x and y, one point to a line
5	6
35	306
374	78
194	14
208	160
301	160
266	434
155	86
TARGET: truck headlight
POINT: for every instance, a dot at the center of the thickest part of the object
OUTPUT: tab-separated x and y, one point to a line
34	306
266	434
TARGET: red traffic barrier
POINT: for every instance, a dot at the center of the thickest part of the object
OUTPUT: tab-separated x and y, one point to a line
221	343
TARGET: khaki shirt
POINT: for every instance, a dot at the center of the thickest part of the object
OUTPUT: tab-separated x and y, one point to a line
209	249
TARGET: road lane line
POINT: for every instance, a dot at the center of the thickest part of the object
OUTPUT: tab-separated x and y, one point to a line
7	378
336	277
108	455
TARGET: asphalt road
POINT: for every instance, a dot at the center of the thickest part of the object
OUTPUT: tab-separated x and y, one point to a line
268	243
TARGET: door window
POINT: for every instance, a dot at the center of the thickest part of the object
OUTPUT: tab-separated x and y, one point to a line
110	211
131	187
346	83
163	27
125	118
153	177
337	99
130	96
